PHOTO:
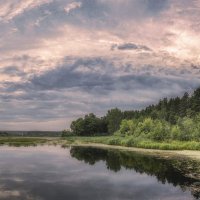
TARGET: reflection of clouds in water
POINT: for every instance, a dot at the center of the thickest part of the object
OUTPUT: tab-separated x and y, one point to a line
9	194
53	175
15	179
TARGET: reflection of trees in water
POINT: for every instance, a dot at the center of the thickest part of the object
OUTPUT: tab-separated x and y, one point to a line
178	172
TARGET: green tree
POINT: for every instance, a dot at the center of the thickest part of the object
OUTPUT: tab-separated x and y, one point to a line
175	132
128	127
78	127
114	118
196	101
184	105
187	127
145	127
89	125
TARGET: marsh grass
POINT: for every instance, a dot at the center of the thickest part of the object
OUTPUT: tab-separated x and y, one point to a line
128	141
22	141
135	142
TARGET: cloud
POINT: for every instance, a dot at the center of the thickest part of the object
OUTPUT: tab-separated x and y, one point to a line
13	8
12	71
56	60
93	76
72	6
82	73
9	194
84	85
130	46
155	6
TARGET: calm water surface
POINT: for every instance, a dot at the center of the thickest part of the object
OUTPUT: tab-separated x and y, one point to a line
54	173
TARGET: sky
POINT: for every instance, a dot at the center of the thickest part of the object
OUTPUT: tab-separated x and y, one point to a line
62	59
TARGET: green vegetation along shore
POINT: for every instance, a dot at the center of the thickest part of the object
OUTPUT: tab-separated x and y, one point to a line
99	140
131	142
104	142
172	124
24	141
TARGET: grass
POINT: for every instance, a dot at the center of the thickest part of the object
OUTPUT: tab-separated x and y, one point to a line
108	140
22	141
135	142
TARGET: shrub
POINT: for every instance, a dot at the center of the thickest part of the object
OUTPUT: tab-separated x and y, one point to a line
114	141
67	133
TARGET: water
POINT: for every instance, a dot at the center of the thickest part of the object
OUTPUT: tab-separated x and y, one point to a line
54	173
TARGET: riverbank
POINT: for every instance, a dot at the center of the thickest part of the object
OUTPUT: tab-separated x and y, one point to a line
24	141
161	153
135	142
175	148
104	142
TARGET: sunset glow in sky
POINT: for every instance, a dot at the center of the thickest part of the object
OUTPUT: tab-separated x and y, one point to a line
62	59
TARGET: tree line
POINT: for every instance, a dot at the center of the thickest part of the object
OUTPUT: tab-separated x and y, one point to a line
173	118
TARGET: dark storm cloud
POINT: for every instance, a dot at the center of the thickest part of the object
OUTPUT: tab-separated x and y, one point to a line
68	76
88	85
155	6
12	71
82	75
130	46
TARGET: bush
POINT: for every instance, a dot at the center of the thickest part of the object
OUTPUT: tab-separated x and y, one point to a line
175	132
128	127
67	133
186	129
131	142
114	141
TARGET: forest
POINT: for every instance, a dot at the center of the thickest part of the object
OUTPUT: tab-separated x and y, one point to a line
175	118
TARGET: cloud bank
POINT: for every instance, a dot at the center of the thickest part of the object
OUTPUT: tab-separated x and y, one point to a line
61	59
